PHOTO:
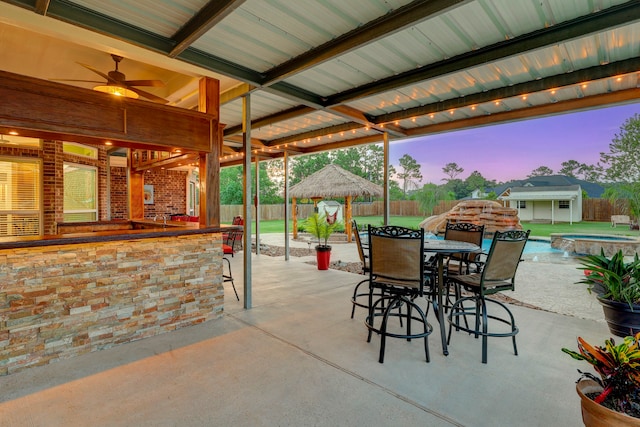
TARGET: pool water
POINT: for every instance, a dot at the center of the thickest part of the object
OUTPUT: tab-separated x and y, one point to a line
532	247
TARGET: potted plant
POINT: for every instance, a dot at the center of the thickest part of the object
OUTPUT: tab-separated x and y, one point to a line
318	226
613	398
617	285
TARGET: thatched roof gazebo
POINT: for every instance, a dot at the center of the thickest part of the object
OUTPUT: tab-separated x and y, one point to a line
331	182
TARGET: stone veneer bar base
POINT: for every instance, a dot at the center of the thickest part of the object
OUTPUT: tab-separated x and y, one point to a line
62	301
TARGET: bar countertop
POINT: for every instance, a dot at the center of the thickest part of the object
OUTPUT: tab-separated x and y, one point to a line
151	229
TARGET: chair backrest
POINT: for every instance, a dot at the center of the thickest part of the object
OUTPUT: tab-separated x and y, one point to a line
504	256
237	220
233	237
464	232
396	256
364	257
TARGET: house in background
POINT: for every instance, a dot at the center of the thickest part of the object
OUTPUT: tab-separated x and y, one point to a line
551	198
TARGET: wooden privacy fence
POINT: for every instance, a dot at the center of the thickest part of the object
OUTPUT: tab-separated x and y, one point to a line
592	210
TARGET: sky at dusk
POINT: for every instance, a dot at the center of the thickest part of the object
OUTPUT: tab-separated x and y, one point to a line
512	150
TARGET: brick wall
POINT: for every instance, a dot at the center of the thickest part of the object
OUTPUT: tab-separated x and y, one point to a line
62	301
118	194
169	192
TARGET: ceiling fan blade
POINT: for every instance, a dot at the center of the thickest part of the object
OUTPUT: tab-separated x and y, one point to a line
154	83
98	72
72	80
148	95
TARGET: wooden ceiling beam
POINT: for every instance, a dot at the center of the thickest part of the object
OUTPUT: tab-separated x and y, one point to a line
280	116
359	117
342	127
42	6
211	14
235	93
368	33
372	139
170	163
619	97
237	139
553	82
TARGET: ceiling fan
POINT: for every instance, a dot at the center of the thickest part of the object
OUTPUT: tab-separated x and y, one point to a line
117	83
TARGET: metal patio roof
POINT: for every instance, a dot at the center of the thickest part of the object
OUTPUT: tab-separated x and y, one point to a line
324	74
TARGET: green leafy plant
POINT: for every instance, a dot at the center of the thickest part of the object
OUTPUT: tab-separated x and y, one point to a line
318	226
619	369
619	280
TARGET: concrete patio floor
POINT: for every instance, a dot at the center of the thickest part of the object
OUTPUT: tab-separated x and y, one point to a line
298	359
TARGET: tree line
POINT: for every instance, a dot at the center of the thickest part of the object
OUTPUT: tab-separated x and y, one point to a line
618	170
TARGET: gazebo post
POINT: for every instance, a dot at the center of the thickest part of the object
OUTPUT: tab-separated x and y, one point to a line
315	204
294	211
347	216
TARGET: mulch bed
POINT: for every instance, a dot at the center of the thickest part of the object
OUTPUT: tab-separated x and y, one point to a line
356	268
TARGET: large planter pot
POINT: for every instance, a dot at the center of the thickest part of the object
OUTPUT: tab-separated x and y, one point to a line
623	320
323	257
596	415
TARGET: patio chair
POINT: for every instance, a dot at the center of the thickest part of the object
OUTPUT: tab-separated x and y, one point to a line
237	220
363	252
463	232
498	274
460	263
396	270
228	248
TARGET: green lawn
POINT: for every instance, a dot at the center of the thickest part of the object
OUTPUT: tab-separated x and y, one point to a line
539	230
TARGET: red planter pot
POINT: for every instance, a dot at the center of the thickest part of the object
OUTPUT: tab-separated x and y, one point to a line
323	257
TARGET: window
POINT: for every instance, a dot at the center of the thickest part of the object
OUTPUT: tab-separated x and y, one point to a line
19	141
80	150
80	193
20	197
522	204
563	204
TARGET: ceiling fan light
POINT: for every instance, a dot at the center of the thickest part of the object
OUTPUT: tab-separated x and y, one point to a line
116	90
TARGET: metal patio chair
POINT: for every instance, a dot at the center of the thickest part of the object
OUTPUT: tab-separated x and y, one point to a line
497	275
396	256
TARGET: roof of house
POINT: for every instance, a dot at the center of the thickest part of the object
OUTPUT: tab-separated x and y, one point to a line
550	183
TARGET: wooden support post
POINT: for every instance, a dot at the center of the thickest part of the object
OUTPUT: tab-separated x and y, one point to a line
209	102
136	191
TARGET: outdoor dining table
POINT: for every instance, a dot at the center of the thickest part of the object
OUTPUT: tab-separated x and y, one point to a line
441	248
